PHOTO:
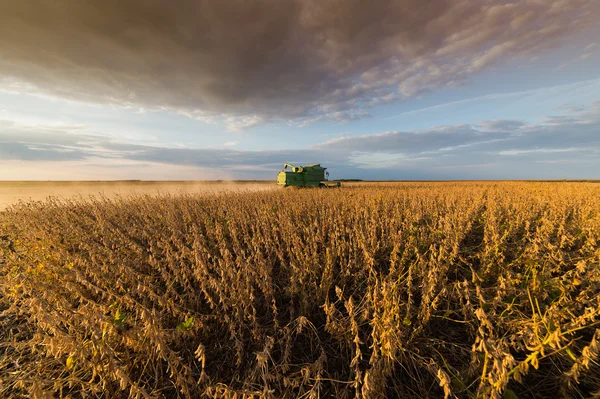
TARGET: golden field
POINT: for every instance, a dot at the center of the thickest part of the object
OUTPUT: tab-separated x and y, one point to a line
409	290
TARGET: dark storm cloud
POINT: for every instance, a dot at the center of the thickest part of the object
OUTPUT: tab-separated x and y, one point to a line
253	60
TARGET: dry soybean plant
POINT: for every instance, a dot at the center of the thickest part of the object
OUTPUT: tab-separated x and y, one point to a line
412	290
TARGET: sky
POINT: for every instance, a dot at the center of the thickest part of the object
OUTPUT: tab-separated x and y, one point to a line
232	89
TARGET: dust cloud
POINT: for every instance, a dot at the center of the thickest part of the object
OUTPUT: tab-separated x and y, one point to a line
13	192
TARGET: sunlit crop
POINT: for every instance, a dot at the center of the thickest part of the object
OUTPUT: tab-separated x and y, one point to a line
475	289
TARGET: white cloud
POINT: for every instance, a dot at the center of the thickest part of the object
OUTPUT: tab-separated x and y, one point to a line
565	146
541	151
241	123
575	134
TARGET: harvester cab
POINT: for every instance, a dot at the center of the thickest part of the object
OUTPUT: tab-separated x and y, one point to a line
313	175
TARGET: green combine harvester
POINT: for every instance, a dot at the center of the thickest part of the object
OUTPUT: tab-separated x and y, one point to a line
313	175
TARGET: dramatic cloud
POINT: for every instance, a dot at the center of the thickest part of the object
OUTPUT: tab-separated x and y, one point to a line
250	61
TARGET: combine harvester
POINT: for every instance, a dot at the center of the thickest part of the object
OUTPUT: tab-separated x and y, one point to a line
305	176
